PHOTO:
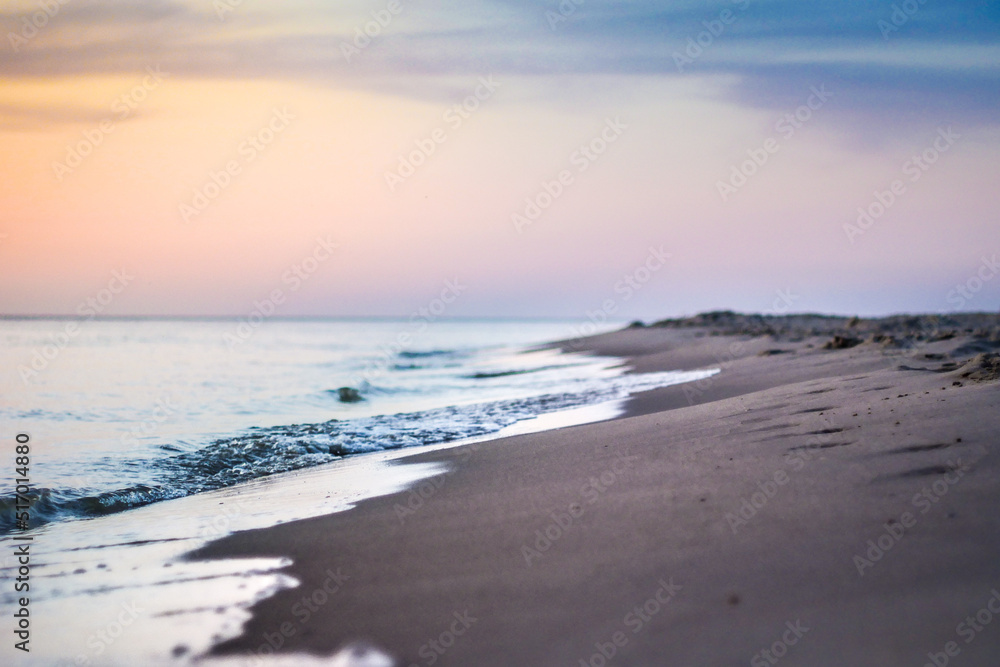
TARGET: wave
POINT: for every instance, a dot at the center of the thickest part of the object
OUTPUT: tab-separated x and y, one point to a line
266	451
423	354
49	505
484	375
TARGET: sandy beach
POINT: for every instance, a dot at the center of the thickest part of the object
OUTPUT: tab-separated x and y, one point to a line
828	498
333	333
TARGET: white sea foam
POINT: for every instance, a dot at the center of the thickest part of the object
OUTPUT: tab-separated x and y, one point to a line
111	586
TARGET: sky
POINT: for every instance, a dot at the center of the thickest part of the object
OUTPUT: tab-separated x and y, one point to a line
580	159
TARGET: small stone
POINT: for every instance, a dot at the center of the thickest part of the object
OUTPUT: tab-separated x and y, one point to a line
349	395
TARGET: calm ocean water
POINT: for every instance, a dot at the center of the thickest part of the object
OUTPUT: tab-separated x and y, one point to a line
125	414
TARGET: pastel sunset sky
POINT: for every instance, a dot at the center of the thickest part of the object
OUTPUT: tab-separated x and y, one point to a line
542	154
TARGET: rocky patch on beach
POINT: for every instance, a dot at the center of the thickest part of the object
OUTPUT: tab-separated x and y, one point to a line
974	333
981	368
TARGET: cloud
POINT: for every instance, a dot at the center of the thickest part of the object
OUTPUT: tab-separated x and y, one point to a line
40	117
938	59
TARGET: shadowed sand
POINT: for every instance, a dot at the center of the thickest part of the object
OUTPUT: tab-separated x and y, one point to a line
831	496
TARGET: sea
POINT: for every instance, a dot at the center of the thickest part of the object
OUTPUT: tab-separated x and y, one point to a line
144	439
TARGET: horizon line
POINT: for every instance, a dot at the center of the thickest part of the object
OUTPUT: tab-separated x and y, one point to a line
459	318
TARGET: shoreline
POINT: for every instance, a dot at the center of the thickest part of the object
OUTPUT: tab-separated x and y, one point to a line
735	507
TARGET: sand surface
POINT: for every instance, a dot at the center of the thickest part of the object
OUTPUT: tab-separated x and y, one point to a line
831	497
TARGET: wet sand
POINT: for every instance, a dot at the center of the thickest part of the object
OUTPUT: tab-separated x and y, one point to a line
829	498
